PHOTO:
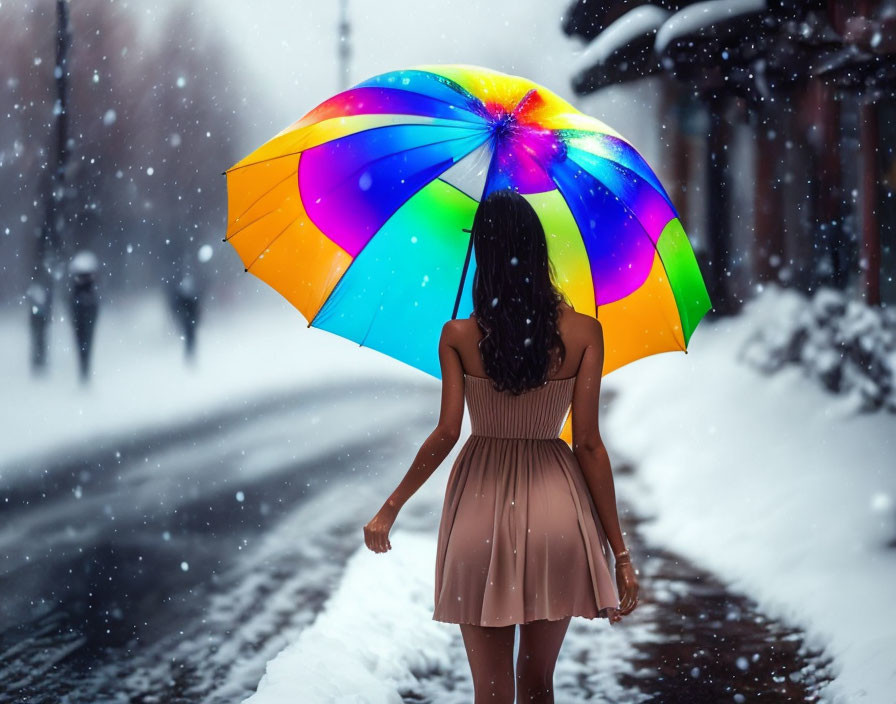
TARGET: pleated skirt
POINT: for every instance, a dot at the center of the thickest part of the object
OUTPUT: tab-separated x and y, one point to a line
519	537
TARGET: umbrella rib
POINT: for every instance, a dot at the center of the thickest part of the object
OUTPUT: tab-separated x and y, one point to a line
643	231
662	192
483	158
277	236
640	226
628	210
444	80
441	79
234	234
625	207
463	274
391	154
606	188
294	173
478	118
249	224
581	239
492	165
355	259
268	245
372	320
612	162
369	129
621	201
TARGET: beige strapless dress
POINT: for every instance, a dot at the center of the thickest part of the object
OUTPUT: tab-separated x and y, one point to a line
519	537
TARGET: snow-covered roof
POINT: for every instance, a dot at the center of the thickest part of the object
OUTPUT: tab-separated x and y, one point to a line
633	24
695	17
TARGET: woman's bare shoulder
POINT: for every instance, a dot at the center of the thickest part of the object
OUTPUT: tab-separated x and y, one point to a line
458	329
580	331
581	322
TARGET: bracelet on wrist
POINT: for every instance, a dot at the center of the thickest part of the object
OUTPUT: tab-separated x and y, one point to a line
623	556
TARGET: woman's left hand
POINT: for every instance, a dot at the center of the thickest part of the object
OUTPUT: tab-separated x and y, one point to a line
376	532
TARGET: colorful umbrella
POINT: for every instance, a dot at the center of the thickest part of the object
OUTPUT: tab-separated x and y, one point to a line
359	213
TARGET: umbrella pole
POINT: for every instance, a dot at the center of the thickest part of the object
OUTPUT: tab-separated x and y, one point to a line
463	274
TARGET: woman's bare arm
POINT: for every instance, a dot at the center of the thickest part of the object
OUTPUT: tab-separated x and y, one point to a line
434	449
586	440
432	453
595	465
444	437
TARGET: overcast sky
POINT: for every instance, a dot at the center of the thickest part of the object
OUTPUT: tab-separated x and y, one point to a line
291	46
289	50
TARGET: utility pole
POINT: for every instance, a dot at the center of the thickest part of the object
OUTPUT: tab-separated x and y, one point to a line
46	270
344	49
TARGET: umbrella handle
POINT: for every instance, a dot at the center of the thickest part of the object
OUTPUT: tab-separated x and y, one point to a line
463	274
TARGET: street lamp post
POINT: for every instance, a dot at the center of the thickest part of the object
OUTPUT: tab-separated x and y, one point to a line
344	50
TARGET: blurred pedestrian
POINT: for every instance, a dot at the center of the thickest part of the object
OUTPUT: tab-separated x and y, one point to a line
84	305
38	298
185	299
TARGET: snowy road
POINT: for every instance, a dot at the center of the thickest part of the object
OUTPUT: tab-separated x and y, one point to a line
173	566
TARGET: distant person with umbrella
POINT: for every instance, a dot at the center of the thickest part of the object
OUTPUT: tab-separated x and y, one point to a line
84	306
184	301
38	298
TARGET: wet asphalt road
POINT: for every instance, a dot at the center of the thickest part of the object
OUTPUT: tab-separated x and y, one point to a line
171	566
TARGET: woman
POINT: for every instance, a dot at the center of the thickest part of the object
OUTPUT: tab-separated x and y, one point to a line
527	523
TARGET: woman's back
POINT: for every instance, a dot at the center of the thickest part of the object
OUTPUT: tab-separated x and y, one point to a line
571	327
537	414
519	539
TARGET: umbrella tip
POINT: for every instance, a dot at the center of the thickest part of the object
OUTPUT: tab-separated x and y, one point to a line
223	173
245	270
223	239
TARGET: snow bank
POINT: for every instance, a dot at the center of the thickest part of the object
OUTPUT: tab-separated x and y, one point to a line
375	638
373	632
844	344
773	483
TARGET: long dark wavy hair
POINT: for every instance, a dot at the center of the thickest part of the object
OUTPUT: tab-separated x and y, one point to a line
515	302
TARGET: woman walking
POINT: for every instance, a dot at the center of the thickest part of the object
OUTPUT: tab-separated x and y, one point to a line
528	525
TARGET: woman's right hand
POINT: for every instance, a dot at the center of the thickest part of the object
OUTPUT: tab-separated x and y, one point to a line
627	583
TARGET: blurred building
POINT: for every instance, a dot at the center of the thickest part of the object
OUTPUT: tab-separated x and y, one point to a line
775	122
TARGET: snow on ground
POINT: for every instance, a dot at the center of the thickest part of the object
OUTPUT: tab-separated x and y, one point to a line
140	378
775	484
376	635
377	626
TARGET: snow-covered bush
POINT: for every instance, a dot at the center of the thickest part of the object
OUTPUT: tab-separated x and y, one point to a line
849	346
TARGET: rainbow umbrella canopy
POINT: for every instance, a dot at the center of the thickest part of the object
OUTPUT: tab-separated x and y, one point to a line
359	213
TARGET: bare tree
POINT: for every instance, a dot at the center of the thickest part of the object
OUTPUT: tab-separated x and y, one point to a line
153	119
